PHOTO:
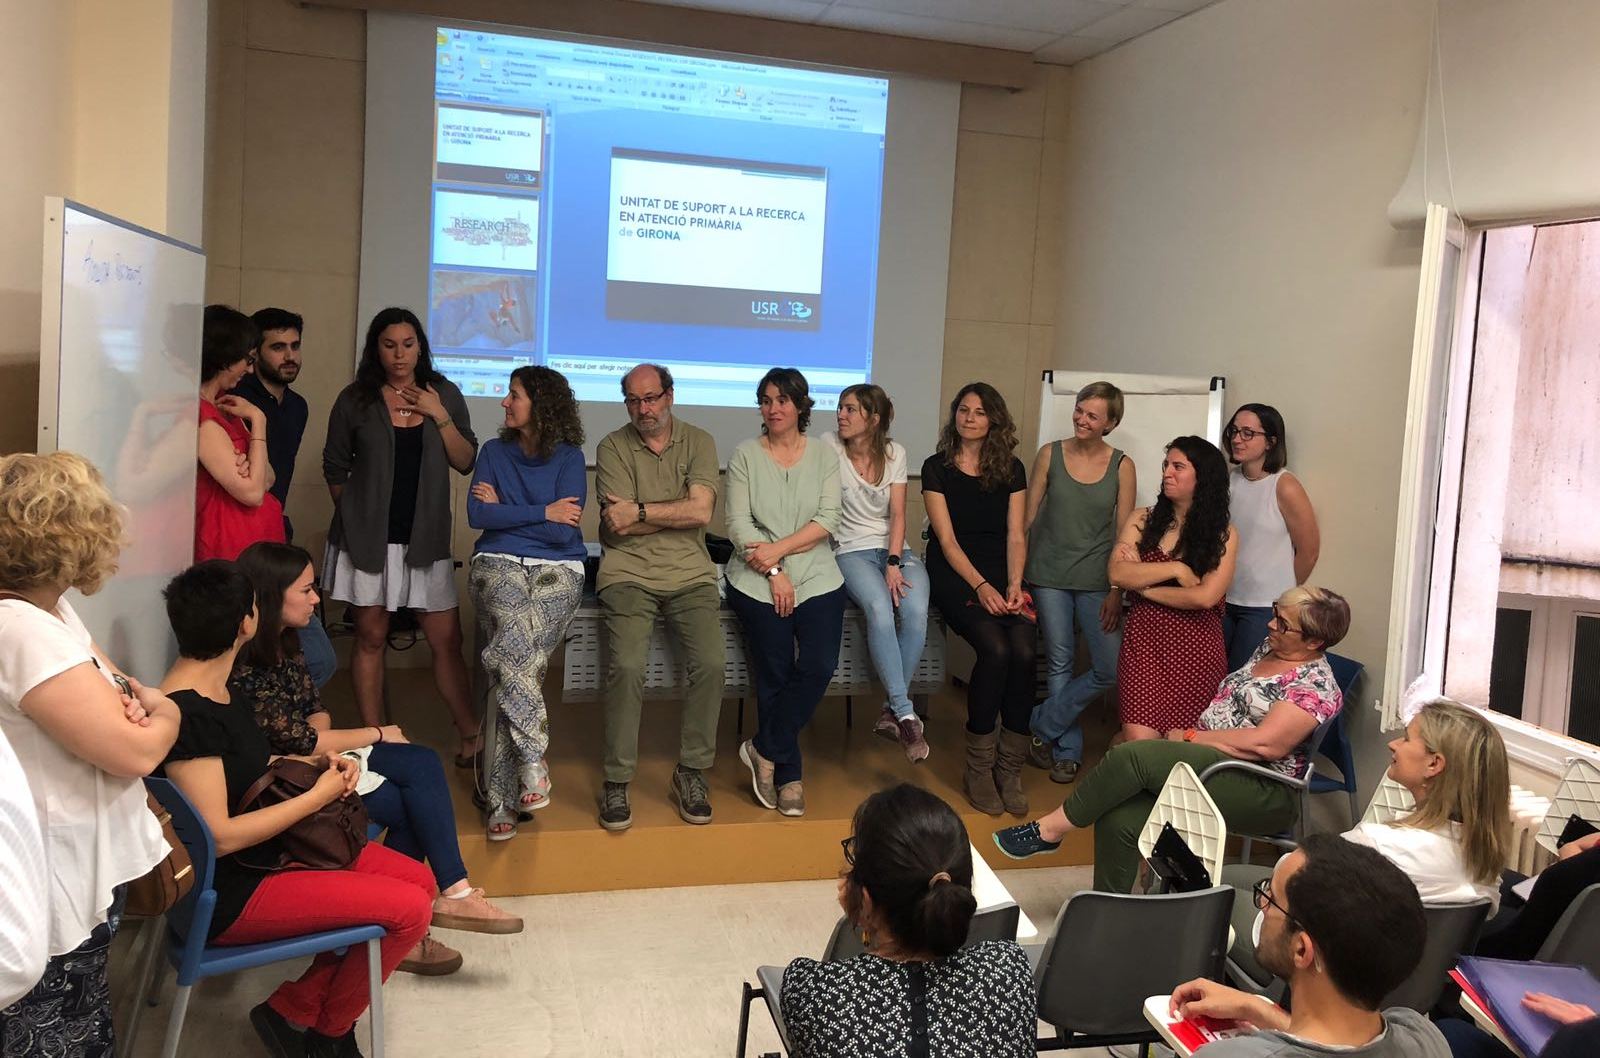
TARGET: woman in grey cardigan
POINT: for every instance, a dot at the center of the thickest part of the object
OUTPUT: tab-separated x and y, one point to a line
394	435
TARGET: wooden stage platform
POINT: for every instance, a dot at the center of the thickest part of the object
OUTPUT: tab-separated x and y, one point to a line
564	848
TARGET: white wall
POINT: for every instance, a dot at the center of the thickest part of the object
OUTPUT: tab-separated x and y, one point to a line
1225	213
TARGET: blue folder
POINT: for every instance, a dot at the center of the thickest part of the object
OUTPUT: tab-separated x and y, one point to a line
1503	982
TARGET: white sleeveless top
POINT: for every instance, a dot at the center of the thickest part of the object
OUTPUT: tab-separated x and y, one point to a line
1265	566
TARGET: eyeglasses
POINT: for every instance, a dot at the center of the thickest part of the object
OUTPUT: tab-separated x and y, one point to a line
1243	431
1261	896
849	847
1283	622
651	399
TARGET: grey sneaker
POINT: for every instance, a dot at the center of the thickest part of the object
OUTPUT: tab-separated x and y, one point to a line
909	730
691	794
1040	754
761	771
615	812
1064	772
792	799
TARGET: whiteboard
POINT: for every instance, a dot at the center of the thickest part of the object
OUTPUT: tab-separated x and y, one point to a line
1155	409
119	382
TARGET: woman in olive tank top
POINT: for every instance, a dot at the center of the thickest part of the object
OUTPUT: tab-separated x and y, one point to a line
1081	491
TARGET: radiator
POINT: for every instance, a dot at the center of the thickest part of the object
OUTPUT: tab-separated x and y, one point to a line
1528	810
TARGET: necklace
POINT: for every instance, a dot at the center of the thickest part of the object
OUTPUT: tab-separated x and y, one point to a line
404	413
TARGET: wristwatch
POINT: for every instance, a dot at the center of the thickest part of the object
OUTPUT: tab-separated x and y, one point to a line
894	560
641	510
774	571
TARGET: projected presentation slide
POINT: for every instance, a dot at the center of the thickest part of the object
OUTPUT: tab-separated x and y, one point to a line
595	206
485	231
715	240
488	145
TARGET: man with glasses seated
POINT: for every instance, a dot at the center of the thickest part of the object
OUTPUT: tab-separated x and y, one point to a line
657	482
1344	927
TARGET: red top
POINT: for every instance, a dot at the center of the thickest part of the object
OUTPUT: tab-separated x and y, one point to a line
223	526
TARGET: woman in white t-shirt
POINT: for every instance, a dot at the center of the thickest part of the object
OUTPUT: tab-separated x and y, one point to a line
881	574
82	742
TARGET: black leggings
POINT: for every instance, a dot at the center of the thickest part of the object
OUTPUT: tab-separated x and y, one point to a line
1005	673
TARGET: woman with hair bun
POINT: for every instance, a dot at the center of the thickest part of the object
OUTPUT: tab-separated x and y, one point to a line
1176	557
907	887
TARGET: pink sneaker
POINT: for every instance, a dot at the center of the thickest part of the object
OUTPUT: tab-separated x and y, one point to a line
909	733
887	726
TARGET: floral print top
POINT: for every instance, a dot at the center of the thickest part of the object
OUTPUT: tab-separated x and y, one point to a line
285	699
1243	700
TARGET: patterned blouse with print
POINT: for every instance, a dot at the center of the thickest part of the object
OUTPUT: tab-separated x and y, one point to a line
285	698
1244	700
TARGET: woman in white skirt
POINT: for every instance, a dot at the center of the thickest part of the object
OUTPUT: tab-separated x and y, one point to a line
527	578
394	435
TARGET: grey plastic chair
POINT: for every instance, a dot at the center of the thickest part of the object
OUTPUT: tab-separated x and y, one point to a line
993	923
1109	952
1576	936
1452	929
1302	786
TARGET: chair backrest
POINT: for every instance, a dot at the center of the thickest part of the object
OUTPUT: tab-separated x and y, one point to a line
1578	794
1111	951
1576	937
1389	802
192	914
1184	802
1346	671
1452	929
994	923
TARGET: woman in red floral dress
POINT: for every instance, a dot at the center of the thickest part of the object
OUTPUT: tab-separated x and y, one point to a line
1175	559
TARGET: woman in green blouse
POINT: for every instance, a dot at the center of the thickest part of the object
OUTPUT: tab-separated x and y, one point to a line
783	503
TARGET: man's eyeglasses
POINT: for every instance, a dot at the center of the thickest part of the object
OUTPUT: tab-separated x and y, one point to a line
1261	896
1243	431
651	399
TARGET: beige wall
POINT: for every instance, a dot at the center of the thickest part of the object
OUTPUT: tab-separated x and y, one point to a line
283	213
1224	198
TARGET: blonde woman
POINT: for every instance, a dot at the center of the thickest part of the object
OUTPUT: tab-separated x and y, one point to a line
1453	845
84	734
1079	494
881	574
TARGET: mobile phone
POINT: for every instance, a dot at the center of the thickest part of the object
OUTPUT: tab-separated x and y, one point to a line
122	684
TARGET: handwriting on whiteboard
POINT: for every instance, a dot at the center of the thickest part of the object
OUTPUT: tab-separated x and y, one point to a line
110	270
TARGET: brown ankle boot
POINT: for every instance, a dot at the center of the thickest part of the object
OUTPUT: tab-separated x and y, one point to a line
1008	771
978	780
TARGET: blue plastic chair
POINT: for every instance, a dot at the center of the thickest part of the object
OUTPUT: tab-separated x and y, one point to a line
1336	745
189	920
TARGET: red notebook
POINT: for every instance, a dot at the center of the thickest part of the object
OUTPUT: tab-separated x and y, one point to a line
1187	1035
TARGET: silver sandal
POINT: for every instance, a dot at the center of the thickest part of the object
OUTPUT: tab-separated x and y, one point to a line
501	817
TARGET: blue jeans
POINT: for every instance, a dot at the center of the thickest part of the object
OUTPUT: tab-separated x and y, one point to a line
793	659
413	804
317	649
1243	629
1063	613
895	652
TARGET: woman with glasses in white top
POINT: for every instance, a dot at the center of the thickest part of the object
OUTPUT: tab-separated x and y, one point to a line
1278	536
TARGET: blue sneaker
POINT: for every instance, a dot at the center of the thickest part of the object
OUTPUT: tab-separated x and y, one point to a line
1023	841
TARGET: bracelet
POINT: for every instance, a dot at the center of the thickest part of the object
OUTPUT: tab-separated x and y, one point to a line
447	422
253	440
981	583
379	730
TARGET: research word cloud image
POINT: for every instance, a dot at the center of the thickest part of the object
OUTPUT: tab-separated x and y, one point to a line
594	207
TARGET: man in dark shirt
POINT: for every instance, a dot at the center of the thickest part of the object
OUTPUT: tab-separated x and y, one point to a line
277	365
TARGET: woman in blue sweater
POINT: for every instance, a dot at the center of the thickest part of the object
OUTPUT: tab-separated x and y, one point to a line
527	577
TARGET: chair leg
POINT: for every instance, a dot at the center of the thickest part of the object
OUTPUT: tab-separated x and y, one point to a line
180	1007
738	727
1245	845
750	996
375	997
849	717
152	934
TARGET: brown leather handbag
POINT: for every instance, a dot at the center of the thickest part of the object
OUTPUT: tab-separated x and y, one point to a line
329	839
168	881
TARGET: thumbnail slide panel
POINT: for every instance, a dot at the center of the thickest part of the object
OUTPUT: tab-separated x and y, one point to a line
495	146
481	310
474	230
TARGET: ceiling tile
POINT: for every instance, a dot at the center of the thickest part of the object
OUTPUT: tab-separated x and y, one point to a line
1128	23
934	28
1069	50
1051	16
787	10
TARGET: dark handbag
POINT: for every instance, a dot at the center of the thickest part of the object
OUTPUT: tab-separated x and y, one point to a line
168	881
1175	863
1577	827
329	839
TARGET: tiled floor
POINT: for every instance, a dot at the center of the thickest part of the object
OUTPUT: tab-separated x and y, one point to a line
644	972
